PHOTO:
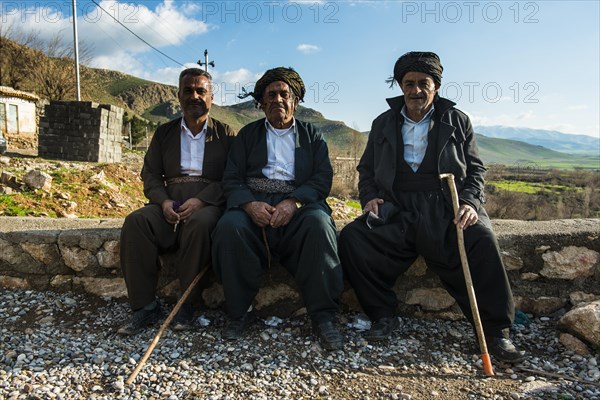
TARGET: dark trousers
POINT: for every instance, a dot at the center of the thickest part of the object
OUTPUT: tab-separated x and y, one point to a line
422	225
306	247
146	234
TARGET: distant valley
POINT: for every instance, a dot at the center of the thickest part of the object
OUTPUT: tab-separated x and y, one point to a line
553	140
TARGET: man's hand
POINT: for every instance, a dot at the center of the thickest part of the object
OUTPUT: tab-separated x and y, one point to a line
373	206
466	217
260	212
168	209
189	207
284	211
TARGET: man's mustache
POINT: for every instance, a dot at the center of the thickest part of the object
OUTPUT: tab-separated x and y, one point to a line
196	102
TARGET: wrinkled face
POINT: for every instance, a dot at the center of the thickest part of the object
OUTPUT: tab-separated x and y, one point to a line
419	92
195	96
279	104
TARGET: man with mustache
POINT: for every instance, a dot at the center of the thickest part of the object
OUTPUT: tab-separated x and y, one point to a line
408	211
182	174
276	182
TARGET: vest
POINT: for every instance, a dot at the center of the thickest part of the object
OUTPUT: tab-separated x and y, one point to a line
426	177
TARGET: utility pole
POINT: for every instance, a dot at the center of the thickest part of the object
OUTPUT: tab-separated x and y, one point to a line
76	50
205	63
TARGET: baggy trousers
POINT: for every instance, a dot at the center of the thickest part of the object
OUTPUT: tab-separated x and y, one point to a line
146	234
306	247
422	225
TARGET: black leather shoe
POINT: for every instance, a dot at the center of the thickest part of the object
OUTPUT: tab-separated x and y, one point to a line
184	320
234	328
140	319
382	329
328	334
504	349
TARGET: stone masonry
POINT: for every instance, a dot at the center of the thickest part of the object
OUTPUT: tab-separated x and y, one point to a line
553	267
81	131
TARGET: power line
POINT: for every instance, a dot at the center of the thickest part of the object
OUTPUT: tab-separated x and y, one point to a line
107	34
135	34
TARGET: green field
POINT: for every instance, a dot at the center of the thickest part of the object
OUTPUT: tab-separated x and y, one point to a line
532	187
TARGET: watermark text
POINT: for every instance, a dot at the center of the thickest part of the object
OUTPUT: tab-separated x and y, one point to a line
469	11
490	92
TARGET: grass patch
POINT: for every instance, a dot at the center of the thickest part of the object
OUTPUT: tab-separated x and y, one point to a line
157	113
58	176
119	86
11	208
532	187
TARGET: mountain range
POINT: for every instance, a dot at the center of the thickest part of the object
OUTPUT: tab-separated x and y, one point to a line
553	140
158	103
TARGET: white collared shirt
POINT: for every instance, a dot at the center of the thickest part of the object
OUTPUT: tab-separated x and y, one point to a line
414	135
281	147
192	149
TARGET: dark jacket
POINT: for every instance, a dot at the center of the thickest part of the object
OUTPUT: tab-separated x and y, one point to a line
456	153
163	161
313	172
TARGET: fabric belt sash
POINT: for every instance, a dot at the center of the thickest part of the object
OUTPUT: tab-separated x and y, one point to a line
186	179
264	185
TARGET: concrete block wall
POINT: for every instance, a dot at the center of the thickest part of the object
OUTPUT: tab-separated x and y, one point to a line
81	131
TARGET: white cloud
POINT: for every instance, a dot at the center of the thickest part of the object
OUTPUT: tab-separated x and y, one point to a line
241	75
167	75
308	48
164	26
112	45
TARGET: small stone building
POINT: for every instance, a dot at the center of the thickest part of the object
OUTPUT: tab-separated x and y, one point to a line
81	131
18	121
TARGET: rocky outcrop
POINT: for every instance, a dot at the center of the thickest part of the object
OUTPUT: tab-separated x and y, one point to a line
140	98
553	267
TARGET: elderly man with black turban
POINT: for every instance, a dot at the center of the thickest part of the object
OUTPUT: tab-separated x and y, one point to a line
277	178
408	212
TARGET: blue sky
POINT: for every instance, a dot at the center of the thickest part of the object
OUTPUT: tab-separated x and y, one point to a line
516	63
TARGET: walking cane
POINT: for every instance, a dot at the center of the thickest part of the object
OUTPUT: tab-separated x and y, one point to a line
485	357
165	324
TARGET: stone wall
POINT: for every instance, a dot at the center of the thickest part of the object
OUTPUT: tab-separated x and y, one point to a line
552	265
81	131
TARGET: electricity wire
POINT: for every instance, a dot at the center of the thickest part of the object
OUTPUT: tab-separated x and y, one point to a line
136	35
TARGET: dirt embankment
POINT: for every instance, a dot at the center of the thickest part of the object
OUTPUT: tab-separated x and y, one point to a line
85	190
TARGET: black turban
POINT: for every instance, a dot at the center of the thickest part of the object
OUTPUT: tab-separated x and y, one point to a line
418	61
287	75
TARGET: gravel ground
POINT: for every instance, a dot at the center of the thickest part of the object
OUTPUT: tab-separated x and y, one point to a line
56	346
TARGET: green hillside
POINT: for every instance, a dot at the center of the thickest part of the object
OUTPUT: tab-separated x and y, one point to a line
509	152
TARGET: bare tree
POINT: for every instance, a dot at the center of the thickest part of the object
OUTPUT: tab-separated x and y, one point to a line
56	76
16	55
51	74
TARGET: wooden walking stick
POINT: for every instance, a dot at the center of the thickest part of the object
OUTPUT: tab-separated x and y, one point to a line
165	324
485	357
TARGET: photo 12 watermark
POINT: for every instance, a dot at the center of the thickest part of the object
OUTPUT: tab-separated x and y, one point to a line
55	11
470	11
269	11
491	92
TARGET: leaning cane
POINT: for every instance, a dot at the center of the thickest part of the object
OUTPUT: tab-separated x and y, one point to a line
164	326
485	357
